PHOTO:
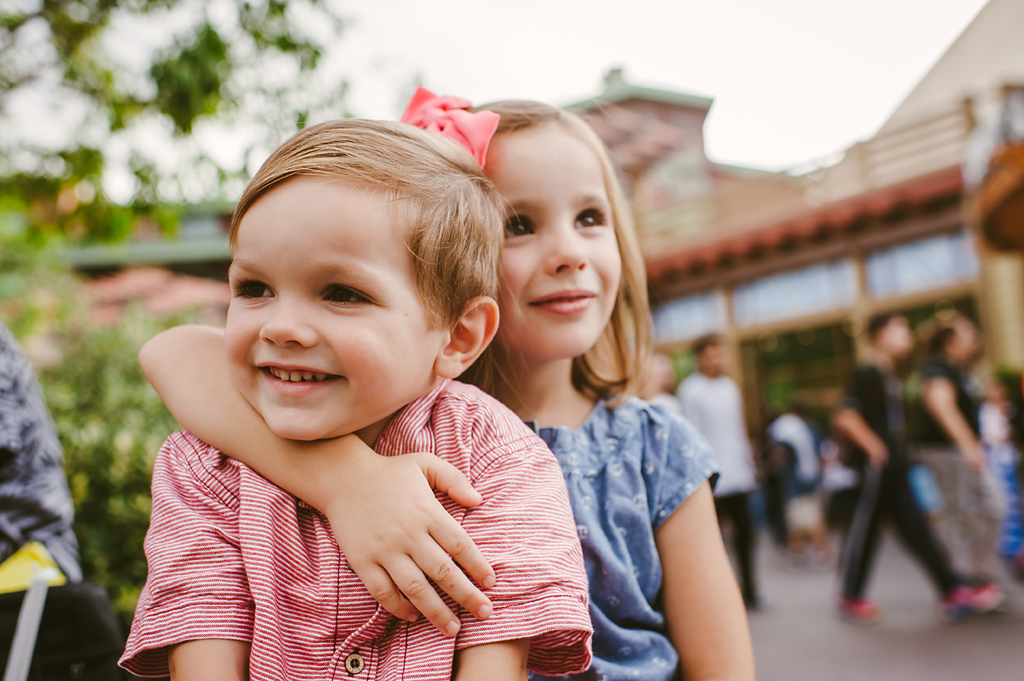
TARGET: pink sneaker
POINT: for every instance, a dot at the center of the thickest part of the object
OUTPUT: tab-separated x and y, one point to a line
986	597
964	601
858	610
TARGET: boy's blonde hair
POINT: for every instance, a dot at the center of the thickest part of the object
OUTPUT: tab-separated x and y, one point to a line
613	368
450	214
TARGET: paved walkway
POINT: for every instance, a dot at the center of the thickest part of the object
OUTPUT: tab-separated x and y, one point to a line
797	638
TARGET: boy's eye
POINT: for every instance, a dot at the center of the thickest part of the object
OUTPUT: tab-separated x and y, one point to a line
252	289
590	218
518	226
343	294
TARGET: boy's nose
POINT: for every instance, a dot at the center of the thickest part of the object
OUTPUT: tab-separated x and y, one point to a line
286	326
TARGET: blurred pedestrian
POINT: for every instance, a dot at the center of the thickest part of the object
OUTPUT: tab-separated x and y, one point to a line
659	382
801	474
713	403
871	418
967	522
35	503
771	463
994	419
840	485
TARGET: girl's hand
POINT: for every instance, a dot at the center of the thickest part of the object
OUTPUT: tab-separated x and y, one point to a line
395	535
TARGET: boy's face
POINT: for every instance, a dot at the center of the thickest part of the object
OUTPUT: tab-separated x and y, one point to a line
326	333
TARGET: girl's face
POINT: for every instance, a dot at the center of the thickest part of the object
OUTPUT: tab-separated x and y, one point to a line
561	265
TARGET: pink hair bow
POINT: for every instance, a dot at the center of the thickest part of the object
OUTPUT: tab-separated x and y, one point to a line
448	116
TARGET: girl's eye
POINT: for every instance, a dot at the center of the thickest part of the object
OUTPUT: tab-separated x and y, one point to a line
590	218
518	226
343	294
252	289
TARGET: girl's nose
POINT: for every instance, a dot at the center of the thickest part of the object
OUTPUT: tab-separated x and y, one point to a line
285	326
567	252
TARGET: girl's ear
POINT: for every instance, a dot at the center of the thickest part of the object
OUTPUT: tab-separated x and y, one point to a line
470	336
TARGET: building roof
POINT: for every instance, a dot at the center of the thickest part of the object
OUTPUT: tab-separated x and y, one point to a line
155	252
617	90
158	291
987	55
833	218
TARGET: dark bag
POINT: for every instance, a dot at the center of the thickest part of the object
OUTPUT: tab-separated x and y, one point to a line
79	635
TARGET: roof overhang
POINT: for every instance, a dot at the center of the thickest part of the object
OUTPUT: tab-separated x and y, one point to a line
816	224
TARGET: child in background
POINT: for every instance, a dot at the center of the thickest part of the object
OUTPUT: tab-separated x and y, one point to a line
801	474
363	276
568	354
995	417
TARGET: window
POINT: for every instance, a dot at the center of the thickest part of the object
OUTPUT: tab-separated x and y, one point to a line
689	317
922	265
795	294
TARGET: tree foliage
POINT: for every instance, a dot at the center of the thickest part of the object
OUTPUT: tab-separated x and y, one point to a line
125	72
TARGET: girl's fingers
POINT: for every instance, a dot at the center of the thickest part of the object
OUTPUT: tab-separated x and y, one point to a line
444	477
451	537
383	589
421	594
441	568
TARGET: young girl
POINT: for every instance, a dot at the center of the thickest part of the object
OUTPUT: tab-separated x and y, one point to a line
568	354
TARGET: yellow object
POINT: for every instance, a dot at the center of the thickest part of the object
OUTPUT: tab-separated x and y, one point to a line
16	572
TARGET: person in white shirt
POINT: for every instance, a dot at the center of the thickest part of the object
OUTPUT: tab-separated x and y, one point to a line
712	402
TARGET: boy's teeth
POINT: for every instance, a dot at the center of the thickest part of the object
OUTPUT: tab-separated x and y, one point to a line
297	376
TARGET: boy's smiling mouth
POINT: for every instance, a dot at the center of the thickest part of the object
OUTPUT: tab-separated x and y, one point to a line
297	376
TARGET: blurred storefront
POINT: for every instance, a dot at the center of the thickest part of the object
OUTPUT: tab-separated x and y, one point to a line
789	267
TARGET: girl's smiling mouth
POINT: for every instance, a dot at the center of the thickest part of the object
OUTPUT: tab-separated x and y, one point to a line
570	302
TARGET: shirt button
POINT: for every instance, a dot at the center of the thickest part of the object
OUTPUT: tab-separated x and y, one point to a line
354	663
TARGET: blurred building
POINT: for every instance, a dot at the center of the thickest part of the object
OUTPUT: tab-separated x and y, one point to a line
788	267
164	276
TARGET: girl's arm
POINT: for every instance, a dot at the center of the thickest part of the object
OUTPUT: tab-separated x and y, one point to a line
703	607
214	659
389	545
505	661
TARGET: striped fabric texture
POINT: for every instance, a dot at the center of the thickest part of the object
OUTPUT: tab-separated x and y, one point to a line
233	556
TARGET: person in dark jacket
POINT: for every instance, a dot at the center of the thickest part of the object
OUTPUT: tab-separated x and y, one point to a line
35	502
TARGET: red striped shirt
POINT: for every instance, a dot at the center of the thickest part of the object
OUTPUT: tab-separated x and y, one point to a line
233	556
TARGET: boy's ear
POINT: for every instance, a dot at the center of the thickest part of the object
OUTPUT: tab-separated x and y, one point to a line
470	336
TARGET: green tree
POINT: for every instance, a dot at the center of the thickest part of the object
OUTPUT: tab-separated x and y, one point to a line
125	72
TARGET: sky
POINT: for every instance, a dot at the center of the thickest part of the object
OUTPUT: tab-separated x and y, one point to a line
793	81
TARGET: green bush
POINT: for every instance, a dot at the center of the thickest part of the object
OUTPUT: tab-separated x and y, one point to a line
110	421
111	424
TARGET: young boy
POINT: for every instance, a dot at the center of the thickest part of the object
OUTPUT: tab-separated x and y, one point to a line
364	276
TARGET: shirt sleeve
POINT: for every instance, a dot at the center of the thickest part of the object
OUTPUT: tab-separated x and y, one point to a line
197	587
856	391
525	529
677	460
935	369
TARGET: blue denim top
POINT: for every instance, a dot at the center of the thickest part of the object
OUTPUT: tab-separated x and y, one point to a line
627	469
